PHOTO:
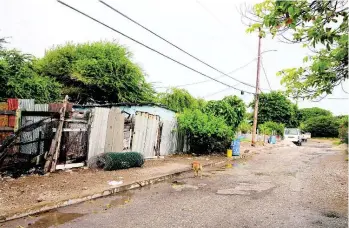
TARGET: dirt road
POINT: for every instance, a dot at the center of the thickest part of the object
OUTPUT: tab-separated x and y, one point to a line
283	187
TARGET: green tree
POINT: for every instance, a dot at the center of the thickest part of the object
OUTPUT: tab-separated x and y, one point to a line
276	107
207	133
321	26
270	126
322	126
19	78
99	71
231	108
179	100
307	113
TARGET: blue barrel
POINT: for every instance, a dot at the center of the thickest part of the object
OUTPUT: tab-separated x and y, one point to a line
235	146
273	139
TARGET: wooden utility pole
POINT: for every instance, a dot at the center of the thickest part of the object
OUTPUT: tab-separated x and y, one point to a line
255	113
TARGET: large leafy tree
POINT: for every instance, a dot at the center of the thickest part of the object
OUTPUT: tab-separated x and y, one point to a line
322	126
307	113
276	107
179	100
19	78
99	72
231	108
322	26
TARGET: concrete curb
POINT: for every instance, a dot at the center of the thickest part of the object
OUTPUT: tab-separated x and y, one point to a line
107	192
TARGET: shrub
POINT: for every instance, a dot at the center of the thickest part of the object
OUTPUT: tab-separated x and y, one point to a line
269	126
231	108
207	133
322	126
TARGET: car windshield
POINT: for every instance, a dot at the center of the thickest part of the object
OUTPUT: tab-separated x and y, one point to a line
292	131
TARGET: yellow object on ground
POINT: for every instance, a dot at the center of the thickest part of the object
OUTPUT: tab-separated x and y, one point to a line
229	153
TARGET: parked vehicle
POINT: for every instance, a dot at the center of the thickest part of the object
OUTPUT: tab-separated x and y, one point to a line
307	136
294	135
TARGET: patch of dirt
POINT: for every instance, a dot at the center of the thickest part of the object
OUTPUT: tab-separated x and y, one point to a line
31	191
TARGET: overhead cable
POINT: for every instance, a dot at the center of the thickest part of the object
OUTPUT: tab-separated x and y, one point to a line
155	34
150	48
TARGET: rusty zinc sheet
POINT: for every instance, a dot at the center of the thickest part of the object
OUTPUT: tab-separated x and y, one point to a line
12	104
3	118
98	131
115	131
169	137
145	134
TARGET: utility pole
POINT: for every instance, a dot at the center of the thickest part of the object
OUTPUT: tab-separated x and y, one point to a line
255	113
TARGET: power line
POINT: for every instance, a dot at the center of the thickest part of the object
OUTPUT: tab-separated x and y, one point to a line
266	76
343	88
155	34
195	83
220	91
146	46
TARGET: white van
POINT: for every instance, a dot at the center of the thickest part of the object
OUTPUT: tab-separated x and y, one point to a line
294	135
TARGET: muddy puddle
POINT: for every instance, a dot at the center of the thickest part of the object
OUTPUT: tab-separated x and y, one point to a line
122	199
54	218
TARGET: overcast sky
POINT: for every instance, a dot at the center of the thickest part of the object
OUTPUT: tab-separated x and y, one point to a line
209	29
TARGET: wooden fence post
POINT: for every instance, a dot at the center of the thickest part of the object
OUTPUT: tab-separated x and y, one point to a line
53	154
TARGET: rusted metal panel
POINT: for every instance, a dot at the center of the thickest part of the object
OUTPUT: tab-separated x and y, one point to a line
115	131
98	131
12	104
11	121
169	137
3	118
56	107
26	104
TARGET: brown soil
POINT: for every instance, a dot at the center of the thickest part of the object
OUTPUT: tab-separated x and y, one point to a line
31	191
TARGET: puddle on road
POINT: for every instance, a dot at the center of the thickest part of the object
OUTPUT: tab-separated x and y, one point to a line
54	218
122	199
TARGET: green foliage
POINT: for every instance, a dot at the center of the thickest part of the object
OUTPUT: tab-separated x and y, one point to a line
232	109
307	113
207	133
317	24
120	160
2	41
274	106
179	100
322	126
245	127
19	78
99	71
269	126
343	130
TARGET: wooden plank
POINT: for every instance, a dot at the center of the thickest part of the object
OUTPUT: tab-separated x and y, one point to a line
7	112
6	129
115	131
76	121
70	129
69	166
53	154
